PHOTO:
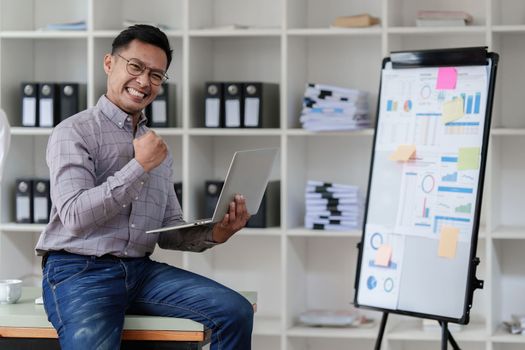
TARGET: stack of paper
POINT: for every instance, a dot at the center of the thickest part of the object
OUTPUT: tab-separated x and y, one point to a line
328	107
330	206
426	18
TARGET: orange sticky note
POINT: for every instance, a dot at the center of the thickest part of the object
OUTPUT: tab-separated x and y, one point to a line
447	78
448	241
383	255
403	153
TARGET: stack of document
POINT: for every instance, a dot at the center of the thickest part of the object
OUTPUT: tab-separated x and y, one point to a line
334	207
327	107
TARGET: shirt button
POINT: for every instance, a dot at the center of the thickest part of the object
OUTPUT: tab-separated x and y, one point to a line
129	119
133	225
142	182
125	252
123	205
120	123
137	198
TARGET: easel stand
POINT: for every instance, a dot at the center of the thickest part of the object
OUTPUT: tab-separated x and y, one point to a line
446	336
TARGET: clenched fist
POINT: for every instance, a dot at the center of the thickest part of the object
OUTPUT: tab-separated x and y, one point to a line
150	150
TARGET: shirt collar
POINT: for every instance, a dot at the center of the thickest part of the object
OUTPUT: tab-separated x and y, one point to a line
115	114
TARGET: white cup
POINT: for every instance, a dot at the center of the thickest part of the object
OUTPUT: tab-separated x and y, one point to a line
10	291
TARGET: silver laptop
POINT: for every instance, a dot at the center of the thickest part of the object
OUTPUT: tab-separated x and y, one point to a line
248	175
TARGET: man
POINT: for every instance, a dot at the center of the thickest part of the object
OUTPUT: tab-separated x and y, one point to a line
111	182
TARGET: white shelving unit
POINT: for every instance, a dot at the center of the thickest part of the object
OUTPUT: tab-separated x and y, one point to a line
290	43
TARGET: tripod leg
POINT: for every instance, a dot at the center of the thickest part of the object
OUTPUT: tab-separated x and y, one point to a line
444	335
451	339
381	331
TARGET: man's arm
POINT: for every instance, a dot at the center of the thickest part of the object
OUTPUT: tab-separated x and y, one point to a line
200	238
81	205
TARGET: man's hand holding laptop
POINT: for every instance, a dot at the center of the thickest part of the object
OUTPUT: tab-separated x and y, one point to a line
233	221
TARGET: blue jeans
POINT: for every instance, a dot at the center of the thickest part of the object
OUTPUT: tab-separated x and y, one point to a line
86	298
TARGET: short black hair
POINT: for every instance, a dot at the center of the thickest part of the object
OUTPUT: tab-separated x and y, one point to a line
145	33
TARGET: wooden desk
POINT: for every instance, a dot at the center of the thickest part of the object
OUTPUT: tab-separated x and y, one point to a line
24	325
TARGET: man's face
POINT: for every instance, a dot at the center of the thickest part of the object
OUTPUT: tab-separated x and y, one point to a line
133	93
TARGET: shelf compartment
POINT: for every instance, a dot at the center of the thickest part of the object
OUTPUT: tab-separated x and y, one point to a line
508	13
209	159
29	15
507	280
230	60
508	99
27	60
111	15
316	14
404	12
334	61
324	159
320	275
216	14
506	180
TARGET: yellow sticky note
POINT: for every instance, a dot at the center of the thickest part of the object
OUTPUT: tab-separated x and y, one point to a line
448	241
468	158
383	255
452	110
403	153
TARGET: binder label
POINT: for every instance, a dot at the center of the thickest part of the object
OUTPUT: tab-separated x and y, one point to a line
46	112
29	107
158	112
40	209
233	115
212	112
251	111
22	208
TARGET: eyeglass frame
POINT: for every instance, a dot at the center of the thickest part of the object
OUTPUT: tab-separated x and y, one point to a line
164	75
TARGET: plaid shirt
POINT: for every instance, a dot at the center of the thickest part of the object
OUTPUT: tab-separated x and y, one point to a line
103	200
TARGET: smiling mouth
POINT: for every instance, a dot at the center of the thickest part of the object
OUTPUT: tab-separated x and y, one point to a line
135	93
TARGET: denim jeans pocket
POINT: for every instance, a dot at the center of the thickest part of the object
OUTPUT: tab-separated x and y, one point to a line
62	271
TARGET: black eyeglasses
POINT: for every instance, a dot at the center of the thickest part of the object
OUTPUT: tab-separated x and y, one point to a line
136	67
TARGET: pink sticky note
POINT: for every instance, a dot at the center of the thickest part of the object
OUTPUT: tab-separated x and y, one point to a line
447	77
